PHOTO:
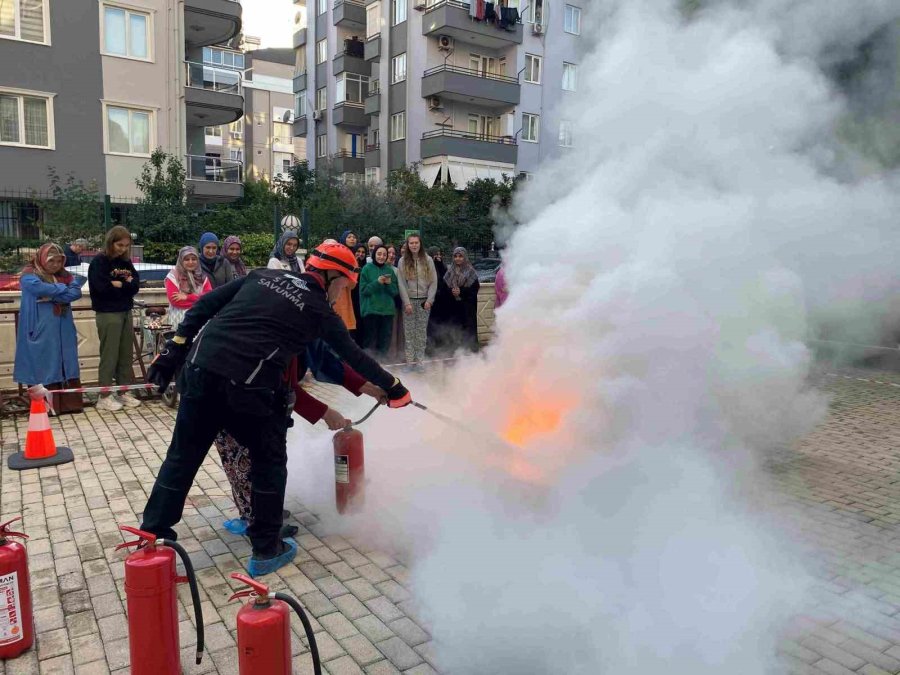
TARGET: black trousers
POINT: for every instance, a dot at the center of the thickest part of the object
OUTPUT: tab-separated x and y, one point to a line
258	419
378	329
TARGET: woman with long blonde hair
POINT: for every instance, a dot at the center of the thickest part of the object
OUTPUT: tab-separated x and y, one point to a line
418	286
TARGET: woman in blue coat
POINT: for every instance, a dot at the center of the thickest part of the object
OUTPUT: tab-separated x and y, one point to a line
47	344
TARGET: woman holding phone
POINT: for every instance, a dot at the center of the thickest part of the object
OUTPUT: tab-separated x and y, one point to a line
377	290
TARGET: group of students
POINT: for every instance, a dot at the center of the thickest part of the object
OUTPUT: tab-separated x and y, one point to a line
436	304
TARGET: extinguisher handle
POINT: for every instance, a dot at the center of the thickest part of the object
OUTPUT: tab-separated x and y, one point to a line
6	532
144	537
261	589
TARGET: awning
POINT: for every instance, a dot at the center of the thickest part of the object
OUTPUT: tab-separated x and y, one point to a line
461	173
456	175
429	173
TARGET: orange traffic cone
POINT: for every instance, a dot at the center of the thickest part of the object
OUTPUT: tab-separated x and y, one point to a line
40	448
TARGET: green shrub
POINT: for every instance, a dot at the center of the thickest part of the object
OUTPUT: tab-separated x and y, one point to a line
161	252
256	248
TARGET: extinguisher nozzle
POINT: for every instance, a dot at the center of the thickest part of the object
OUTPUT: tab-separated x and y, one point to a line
199	657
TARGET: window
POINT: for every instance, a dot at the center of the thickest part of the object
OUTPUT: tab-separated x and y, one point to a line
214	131
373	20
322	146
223	57
26	119
282	162
236	154
300	104
570	77
321	6
351	88
398	126
398	68
533	68
237	128
282	133
531	127
128	131
126	33
398	11
375	136
322	51
565	134
373	175
533	12
24	20
573	20
483	125
322	98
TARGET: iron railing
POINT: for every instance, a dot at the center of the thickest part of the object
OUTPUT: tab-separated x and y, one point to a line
470	135
374	147
201	167
348	104
214	78
348	154
434	4
470	72
358	3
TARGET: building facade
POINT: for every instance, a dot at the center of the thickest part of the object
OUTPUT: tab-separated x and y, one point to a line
462	90
91	89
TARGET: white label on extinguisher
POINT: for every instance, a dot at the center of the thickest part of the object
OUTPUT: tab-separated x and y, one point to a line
10	611
341	469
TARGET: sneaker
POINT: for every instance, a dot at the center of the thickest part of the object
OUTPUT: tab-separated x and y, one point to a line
236	526
109	404
262	565
129	400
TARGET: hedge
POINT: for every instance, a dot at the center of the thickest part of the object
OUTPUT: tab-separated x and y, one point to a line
256	249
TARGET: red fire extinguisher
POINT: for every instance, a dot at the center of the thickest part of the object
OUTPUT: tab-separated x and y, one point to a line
264	630
349	470
150	588
16	622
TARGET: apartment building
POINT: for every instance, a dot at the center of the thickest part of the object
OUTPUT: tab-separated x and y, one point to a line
91	88
462	90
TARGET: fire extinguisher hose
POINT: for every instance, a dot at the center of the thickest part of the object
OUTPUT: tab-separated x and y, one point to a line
307	626
195	593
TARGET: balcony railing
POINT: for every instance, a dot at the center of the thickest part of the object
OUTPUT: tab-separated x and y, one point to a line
471	72
214	78
359	3
341	154
282	140
470	135
374	147
201	167
434	4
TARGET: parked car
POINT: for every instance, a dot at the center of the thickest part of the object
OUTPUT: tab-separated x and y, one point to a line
149	272
486	269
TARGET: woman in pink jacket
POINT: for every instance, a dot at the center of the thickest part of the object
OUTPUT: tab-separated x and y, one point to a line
185	284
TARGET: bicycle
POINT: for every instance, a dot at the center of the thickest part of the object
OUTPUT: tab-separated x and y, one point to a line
154	331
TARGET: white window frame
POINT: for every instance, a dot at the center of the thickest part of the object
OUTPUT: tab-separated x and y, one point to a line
300	107
373	20
373	175
566	134
151	137
340	95
398	126
128	9
216	131
575	12
221	63
324	97
321	146
322	51
22	94
236	154
572	69
535	59
535	121
321	6
236	128
17	22
396	75
399	11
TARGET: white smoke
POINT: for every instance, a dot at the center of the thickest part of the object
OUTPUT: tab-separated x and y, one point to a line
669	271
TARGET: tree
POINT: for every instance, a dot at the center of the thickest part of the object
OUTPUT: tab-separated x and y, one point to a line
73	209
162	213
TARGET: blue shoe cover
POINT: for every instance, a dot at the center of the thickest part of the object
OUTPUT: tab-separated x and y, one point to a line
258	567
236	526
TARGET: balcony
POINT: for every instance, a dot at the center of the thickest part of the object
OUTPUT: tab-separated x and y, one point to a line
301	125
350	63
282	144
214	180
372	51
349	115
450	17
373	102
345	161
299	38
373	155
350	14
211	22
470	145
213	95
300	82
471	86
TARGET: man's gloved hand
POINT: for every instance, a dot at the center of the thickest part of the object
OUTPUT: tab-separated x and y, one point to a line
167	363
398	395
374	391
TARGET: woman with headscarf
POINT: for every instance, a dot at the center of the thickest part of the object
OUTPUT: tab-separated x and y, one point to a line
361	252
216	268
47	343
232	248
463	282
185	283
343	303
284	255
377	290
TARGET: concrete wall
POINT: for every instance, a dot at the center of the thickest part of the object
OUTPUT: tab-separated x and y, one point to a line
68	67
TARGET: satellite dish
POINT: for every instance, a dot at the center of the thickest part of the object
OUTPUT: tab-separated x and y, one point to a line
288	116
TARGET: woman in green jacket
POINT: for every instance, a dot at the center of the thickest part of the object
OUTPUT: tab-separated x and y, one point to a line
377	290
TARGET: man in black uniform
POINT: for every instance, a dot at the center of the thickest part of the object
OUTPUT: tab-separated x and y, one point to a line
232	379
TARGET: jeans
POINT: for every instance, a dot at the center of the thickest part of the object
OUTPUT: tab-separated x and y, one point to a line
116	348
257	419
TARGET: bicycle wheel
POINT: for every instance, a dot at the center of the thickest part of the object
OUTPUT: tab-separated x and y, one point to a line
170	395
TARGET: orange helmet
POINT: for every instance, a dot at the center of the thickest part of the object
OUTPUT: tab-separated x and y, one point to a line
330	255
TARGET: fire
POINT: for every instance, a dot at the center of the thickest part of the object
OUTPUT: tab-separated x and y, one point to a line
528	423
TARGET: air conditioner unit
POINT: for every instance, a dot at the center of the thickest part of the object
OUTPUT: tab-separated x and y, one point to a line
445	43
317	115
537	28
434	103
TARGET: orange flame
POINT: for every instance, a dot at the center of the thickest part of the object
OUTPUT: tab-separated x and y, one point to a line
529	422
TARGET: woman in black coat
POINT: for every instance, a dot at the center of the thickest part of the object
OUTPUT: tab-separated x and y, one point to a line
462	280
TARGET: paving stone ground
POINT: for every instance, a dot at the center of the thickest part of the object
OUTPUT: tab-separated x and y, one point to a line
838	492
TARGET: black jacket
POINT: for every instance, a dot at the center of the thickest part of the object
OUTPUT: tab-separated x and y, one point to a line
254	326
72	258
104	296
220	272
